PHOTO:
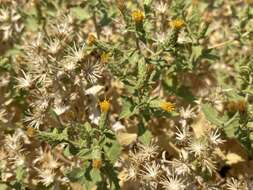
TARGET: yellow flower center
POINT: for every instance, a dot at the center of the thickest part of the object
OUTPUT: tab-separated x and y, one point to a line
104	106
167	106
138	16
177	24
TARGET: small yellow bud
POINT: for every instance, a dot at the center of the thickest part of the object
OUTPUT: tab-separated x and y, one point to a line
91	39
96	163
104	106
177	24
104	57
30	132
138	16
167	106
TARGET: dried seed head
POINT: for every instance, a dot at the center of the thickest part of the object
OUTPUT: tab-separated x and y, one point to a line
173	182
151	171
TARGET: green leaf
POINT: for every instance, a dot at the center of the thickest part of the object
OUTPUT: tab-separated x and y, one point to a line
113	152
146	137
128	109
211	114
231	129
103	121
196	52
20	172
155	102
76	174
80	13
86	154
110	172
3	187
96	152
32	23
95	175
55	136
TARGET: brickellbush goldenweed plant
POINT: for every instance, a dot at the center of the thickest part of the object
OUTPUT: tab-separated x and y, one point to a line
113	94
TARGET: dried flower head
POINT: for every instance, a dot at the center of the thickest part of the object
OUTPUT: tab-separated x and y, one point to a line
148	151
187	113
92	70
233	184
46	176
173	183
150	171
198	146
10	22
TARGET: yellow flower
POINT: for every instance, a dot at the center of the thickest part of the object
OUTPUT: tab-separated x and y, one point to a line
96	163
91	39
104	57
177	24
167	106
138	16
104	106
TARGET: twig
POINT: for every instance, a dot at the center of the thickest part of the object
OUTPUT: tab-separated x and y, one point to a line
96	24
227	42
